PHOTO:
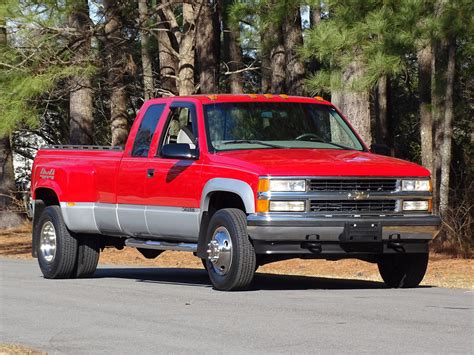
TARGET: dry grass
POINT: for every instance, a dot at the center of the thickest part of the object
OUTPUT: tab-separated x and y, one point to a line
13	349
443	270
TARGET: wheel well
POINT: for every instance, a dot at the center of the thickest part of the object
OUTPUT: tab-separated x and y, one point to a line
48	196
44	197
217	200
223	199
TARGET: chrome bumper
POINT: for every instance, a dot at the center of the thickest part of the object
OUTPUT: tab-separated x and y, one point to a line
302	228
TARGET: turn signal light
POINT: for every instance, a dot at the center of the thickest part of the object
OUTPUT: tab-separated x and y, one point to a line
263	206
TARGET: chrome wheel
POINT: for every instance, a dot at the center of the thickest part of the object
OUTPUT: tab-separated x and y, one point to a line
48	241
220	251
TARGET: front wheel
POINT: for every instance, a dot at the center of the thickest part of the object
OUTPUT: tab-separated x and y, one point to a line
231	256
404	270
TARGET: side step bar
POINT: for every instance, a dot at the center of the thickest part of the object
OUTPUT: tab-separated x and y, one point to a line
154	244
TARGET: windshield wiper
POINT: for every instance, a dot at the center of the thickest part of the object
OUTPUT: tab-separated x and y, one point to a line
319	140
339	145
253	141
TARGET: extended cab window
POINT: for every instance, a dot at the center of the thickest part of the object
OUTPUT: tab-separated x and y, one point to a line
180	127
266	125
141	146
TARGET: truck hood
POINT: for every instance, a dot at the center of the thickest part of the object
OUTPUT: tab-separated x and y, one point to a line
316	162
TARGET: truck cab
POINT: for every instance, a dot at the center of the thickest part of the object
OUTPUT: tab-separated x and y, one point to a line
240	181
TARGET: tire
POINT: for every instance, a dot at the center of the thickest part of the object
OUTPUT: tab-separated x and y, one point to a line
231	223
57	260
88	252
403	271
204	264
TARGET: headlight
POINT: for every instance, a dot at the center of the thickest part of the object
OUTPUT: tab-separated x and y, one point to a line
287	185
287	206
416	205
416	185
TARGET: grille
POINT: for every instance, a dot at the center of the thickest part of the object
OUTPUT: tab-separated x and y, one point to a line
371	185
353	206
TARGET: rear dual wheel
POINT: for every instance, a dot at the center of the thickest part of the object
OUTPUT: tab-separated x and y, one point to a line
231	257
61	254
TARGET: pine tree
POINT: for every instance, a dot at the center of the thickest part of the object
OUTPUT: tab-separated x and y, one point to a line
80	97
208	47
116	62
362	44
148	84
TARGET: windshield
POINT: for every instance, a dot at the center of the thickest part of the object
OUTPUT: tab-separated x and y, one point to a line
270	125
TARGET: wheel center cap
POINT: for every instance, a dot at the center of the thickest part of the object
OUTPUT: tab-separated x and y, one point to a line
213	251
219	250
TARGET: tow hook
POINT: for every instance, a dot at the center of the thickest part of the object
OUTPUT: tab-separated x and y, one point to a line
398	247
313	247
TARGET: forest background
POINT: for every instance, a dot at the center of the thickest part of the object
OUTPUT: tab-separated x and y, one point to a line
77	72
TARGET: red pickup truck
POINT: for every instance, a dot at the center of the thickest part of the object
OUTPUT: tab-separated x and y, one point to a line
240	181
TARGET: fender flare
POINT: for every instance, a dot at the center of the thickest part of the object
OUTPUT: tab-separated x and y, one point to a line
235	186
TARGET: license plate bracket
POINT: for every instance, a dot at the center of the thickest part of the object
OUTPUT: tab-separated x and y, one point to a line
356	232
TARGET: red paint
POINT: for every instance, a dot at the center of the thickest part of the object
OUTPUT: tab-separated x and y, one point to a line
117	177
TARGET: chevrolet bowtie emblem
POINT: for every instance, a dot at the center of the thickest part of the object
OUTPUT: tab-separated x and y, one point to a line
358	195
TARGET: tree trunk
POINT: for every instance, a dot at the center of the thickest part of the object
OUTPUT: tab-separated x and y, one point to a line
277	60
315	15
80	97
293	39
438	91
356	104
116	58
7	172
148	86
383	135
208	48
232	51
168	37
315	20
3	32
425	55
186	52
448	127
266	71
337	99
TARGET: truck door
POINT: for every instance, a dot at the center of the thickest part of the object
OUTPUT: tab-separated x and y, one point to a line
131	196
173	186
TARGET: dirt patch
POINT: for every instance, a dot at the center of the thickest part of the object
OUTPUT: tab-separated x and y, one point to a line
443	271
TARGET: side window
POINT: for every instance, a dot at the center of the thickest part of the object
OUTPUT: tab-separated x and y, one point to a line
144	136
180	127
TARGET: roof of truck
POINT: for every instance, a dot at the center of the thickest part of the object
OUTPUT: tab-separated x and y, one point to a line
219	98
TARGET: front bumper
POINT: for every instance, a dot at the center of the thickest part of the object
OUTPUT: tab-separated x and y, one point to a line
283	233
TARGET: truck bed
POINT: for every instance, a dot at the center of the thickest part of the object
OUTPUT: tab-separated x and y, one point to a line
79	173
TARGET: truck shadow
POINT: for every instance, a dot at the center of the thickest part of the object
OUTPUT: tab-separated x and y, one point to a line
262	281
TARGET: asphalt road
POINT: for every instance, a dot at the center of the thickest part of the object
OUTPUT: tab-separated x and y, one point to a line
151	310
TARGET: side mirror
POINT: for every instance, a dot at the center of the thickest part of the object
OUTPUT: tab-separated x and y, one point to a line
179	151
381	149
